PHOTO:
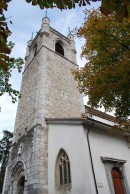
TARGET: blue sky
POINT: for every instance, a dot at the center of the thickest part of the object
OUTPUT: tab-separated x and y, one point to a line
27	19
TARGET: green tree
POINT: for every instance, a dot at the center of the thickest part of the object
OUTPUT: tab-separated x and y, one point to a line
106	75
7	63
5	144
120	7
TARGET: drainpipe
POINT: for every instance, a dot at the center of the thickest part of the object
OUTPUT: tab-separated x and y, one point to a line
90	154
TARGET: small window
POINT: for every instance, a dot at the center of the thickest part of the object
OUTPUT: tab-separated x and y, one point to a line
63	175
59	48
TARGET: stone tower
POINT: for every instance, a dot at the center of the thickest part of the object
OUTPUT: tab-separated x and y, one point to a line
48	90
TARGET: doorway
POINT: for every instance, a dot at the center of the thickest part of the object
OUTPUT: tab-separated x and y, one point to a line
20	185
117	181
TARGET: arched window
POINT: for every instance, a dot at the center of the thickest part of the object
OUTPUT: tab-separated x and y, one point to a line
35	49
59	48
63	174
117	181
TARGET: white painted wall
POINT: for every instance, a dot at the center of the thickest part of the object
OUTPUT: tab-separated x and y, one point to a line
108	145
72	139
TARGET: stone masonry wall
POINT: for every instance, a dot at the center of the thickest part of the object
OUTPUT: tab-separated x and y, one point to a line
64	99
48	86
26	116
34	157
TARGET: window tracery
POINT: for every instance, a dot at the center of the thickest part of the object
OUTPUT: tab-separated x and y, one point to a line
63	170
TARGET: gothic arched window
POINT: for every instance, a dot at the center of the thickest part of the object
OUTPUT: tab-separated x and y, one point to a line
117	181
63	174
59	48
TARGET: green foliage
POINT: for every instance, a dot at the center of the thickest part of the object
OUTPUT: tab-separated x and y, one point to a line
7	63
120	7
106	75
5	144
64	4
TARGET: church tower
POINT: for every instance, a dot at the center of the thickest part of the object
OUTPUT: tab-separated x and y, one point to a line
48	90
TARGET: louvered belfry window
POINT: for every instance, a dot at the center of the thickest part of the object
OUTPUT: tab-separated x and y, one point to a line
59	48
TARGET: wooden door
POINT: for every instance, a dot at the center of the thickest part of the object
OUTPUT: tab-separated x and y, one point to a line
117	181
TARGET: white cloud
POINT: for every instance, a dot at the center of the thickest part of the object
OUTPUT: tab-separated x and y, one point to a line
7	114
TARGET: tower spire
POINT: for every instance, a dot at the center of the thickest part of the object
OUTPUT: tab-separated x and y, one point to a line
71	38
45	25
